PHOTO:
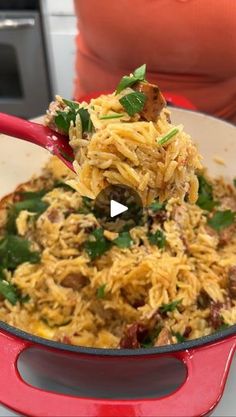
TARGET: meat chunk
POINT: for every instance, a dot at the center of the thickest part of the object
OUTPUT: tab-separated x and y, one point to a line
164	338
155	101
159	216
133	336
232	281
203	300
55	216
226	235
76	281
187	331
215	318
55	106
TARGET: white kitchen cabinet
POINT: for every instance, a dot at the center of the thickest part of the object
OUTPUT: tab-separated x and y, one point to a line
60	27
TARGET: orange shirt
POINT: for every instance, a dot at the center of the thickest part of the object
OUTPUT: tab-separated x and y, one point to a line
189	47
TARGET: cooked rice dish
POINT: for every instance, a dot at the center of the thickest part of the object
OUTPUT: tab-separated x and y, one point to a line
169	279
114	145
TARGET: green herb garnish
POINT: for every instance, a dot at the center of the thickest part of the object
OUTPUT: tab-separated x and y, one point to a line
124	240
234	182
112	116
97	245
205	195
165	308
157	239
150	339
9	292
166	138
156	206
29	195
63	119
33	203
133	102
15	250
127	81
222	327
101	291
180	338
221	220
62	184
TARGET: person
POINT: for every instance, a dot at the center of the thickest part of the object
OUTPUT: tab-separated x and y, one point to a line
189	47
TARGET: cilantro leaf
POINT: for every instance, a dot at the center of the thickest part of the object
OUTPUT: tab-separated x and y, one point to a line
157	239
205	195
133	102
221	219
129	80
124	240
169	307
101	291
15	250
97	245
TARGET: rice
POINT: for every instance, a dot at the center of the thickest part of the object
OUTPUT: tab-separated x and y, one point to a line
124	287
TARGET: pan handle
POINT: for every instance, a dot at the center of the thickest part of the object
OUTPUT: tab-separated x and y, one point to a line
207	366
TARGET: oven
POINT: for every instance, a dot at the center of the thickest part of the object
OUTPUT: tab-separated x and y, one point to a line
24	82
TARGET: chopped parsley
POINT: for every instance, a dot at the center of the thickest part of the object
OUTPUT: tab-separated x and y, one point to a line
62	184
205	195
165	308
221	220
129	80
9	291
101	291
151	337
33	203
156	206
97	244
124	240
158	239
64	119
15	250
180	338
133	102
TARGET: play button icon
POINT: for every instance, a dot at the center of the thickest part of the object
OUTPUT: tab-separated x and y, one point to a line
118	208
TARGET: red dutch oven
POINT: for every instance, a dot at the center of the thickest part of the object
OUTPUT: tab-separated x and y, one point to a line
185	379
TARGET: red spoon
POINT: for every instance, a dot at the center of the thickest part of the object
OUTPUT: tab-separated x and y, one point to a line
40	135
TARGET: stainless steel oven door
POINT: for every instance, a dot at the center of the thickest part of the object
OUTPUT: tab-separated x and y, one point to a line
24	84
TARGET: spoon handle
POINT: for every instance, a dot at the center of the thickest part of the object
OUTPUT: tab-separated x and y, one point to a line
38	134
26	130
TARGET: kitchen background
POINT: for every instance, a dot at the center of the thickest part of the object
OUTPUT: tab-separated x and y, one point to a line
37	49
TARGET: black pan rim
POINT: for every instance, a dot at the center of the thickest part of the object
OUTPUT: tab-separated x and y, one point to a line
36	341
